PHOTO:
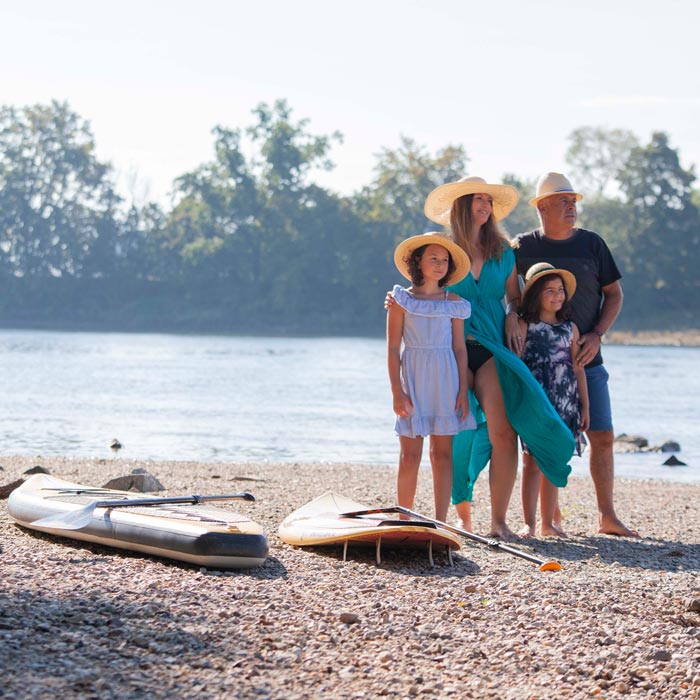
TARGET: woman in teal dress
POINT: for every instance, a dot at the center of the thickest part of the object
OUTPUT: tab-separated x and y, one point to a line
506	398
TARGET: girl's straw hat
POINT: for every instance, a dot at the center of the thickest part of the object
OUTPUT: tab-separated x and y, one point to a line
553	183
542	269
459	257
439	202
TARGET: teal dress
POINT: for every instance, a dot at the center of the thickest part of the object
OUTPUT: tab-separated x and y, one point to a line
528	409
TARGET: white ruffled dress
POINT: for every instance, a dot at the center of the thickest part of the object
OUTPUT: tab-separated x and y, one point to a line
429	374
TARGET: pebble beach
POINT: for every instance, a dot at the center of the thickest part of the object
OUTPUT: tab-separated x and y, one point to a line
621	619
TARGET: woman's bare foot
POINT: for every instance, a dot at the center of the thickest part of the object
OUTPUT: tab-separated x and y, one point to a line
526	531
613	526
502	532
557	519
464	513
552	530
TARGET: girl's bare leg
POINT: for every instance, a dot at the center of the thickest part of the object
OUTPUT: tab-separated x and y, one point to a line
464	509
504	453
530	490
549	505
409	463
441	462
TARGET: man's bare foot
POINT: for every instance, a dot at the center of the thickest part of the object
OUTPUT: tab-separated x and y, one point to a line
526	531
613	526
552	530
465	525
502	532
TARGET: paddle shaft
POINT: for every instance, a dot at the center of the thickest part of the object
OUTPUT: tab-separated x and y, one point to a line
493	544
77	519
156	500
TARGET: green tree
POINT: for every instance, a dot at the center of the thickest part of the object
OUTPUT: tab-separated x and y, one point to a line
523	217
596	155
403	179
662	248
252	233
57	203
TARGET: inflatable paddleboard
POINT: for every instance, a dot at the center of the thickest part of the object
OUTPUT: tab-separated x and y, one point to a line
323	522
197	534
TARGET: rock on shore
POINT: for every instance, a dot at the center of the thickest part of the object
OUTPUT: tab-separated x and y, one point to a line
620	620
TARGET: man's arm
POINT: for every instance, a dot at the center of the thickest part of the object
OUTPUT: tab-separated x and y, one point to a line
609	311
612	305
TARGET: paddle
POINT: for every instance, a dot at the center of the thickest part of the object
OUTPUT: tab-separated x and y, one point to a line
494	544
76	519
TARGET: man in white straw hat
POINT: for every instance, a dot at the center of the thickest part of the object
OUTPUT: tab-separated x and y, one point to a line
595	307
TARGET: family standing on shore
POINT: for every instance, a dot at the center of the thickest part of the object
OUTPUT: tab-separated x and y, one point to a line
483	363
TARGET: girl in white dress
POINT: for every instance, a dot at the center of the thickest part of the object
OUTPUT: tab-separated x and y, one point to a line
429	378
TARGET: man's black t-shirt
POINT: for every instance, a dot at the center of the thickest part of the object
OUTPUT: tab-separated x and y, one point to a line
586	255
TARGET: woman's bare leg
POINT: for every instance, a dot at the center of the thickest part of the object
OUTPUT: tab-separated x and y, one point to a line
464	513
504	449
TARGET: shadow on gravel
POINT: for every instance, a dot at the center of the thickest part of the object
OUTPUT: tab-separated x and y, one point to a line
645	553
102	647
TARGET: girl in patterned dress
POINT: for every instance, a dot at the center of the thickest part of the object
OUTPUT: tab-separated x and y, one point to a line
550	349
429	378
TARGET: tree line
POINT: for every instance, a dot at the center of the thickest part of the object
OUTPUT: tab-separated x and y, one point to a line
252	245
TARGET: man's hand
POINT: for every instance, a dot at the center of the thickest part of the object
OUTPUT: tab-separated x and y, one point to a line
589	344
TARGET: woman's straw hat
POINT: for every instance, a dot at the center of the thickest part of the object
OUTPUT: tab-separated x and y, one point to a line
543	269
459	257
439	202
553	183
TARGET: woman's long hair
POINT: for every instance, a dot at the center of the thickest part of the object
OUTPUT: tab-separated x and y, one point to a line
492	238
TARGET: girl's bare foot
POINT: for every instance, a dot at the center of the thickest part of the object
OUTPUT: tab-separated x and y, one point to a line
553	530
526	531
466	525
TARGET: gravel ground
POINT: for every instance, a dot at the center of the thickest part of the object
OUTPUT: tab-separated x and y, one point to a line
620	620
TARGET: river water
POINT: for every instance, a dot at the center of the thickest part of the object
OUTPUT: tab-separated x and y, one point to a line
215	398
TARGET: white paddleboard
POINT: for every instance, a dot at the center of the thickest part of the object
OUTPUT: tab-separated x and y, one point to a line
198	534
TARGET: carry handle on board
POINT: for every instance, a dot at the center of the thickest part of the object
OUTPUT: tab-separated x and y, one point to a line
493	544
77	519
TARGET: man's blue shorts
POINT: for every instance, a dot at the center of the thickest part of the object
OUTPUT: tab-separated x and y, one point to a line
599	398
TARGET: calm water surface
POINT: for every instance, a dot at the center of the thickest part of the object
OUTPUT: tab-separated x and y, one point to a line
277	399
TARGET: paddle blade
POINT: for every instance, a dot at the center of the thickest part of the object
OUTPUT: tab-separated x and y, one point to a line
73	520
550	566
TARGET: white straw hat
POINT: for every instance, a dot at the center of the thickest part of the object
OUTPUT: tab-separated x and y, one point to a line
439	202
553	183
542	269
459	256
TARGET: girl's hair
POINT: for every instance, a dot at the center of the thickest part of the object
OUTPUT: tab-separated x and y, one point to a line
413	261
492	238
530	304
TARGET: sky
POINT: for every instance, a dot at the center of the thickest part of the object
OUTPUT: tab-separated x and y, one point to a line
509	81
